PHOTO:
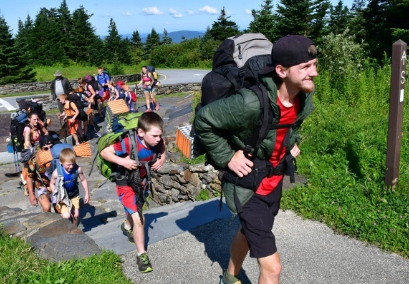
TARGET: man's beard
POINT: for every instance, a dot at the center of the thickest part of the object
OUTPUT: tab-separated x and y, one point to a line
308	88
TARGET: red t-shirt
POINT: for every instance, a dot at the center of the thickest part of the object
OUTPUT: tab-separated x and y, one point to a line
288	116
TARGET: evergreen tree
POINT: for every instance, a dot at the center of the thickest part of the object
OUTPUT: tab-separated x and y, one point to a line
339	18
136	48
65	24
208	45
46	45
152	41
13	68
294	17
319	21
166	39
86	46
356	25
112	42
223	27
23	39
264	21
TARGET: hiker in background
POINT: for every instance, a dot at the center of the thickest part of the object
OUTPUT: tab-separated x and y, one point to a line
70	114
33	131
146	83
149	144
38	182
113	91
68	172
289	81
60	85
89	100
103	78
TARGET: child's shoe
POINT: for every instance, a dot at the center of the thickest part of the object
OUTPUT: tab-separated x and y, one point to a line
144	263
128	233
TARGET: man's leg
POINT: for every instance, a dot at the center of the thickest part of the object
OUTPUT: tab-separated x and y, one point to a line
45	203
270	269
238	251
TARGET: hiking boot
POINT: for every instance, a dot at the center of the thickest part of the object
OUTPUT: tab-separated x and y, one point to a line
128	233
143	263
223	280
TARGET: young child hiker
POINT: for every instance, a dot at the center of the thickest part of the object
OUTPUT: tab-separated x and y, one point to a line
149	144
70	114
65	179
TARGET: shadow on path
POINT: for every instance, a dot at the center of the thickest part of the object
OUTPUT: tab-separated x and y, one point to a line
91	217
216	235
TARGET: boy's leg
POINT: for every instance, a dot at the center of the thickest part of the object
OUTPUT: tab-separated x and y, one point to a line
75	210
138	232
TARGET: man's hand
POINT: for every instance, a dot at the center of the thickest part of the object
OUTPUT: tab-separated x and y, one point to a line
295	151
128	163
240	164
86	199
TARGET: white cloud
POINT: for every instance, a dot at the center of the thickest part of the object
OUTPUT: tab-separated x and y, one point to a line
175	13
189	12
208	10
152	11
107	15
127	14
248	11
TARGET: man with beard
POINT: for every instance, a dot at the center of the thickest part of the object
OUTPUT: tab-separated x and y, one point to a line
290	86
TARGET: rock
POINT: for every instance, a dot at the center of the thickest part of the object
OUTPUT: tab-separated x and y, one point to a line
187	174
41	220
216	187
172	168
207	178
6	211
171	145
175	195
175	157
194	180
180	178
67	246
13	227
201	168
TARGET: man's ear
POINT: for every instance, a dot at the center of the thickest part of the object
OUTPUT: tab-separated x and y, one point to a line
281	71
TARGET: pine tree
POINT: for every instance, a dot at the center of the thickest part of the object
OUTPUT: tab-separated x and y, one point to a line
319	21
208	45
23	39
13	68
294	17
339	18
136	40
112	42
65	24
223	27
152	41
86	46
166	39
136	48
356	25
46	45
264	21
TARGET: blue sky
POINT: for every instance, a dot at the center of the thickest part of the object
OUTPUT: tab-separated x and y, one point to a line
142	15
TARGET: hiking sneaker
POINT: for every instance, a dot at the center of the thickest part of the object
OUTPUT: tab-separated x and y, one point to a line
223	280
143	263
128	233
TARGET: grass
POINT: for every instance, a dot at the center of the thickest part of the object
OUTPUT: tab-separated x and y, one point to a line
20	264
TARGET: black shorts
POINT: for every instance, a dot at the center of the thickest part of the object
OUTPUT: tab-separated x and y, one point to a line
257	220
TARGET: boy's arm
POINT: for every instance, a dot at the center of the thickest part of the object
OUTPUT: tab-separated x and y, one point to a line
84	184
53	180
74	107
159	163
109	154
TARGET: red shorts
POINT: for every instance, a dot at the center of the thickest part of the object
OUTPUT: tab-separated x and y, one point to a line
128	199
72	127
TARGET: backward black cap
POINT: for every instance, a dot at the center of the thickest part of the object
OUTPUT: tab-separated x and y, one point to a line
291	50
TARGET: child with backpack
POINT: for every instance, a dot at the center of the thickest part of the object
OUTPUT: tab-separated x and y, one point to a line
64	185
149	144
70	114
38	182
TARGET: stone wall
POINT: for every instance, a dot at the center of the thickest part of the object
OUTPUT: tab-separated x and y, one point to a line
178	182
45	86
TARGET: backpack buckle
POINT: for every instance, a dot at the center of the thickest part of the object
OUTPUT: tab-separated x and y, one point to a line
247	149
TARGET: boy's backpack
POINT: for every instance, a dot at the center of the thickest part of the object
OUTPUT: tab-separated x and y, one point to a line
55	153
76	99
105	74
152	70
121	91
18	121
89	79
236	64
37	108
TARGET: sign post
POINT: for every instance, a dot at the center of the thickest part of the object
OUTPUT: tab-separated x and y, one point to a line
399	49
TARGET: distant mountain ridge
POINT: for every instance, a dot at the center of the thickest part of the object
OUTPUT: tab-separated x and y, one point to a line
175	36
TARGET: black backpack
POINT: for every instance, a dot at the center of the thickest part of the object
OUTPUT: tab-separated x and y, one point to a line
236	64
18	121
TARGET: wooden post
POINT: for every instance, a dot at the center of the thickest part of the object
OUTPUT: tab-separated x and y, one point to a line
395	112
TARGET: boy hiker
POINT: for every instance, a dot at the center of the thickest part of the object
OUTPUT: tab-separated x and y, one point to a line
149	144
64	186
38	182
290	86
70	114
